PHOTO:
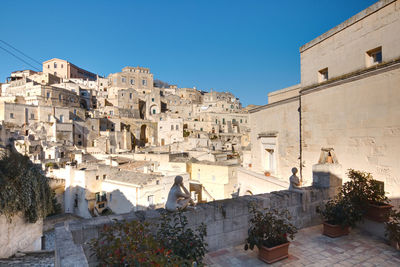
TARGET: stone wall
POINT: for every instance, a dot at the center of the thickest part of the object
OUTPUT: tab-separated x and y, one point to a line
226	220
19	235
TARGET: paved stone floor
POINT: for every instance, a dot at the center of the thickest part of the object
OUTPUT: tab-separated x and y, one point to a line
311	248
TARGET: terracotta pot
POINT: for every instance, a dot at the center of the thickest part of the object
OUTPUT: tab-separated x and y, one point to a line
332	230
395	244
270	255
378	213
267	173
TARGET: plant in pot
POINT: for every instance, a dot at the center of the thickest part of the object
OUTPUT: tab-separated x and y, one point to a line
378	204
392	229
339	215
269	232
367	195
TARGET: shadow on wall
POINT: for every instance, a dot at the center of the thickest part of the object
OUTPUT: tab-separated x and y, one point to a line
88	204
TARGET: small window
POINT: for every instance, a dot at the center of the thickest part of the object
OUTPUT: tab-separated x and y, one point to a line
177	127
132	81
55	65
62	65
130	95
61	118
323	75
172	127
144	82
48	95
48	117
150	199
154	111
374	56
32	116
11	115
123	79
97	177
152	100
48	66
104	176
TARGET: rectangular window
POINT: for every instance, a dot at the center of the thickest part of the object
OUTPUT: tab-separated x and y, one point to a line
97	177
48	95
132	81
177	127
130	95
104	176
150	199
61	118
323	75
55	65
48	117
123	79
152	100
374	56
144	82
32	116
11	115
172	127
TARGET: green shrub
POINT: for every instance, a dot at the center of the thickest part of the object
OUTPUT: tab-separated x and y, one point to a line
341	212
269	228
392	227
183	241
23	188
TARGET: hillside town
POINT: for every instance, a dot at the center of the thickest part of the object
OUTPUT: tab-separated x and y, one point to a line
121	148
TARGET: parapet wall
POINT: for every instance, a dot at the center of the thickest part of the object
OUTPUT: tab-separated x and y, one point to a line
226	220
18	235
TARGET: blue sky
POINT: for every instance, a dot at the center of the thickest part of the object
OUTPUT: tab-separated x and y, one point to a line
247	47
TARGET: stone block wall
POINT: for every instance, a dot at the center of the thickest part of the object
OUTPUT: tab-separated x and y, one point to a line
18	235
226	220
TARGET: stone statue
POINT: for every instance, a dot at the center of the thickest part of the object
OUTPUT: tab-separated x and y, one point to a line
295	187
294	180
178	199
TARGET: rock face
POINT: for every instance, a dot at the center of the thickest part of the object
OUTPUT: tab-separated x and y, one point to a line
19	235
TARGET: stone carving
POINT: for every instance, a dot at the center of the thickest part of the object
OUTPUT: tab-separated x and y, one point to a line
295	186
178	199
294	180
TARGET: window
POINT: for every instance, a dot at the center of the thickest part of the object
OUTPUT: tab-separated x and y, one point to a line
241	121
61	118
177	127
172	127
62	65
123	79
104	176
48	95
48	117
59	97
154	111
48	66
55	65
130	95
323	75
152	100
11	115
97	177
223	120
374	56
201	129
144	82
150	199
32	116
132	81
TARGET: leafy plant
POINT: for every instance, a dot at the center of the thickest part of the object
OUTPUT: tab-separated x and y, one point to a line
376	193
269	228
23	188
132	244
175	235
341	212
392	227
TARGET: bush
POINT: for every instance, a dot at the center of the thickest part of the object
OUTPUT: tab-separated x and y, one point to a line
23	188
269	228
340	212
131	244
134	244
392	227
181	240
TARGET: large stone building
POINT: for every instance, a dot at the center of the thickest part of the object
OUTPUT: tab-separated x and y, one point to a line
66	70
346	108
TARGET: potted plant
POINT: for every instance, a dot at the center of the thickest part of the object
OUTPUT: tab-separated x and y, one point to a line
367	195
339	215
392	229
378	204
269	232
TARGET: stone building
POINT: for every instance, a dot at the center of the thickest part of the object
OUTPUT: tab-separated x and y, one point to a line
66	70
137	78
346	103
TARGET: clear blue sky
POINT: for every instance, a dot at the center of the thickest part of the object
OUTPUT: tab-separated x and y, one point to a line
248	47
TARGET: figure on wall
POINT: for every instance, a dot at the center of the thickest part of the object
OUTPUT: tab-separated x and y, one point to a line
295	186
178	200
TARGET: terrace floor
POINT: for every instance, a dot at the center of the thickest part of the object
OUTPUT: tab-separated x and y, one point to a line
311	248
